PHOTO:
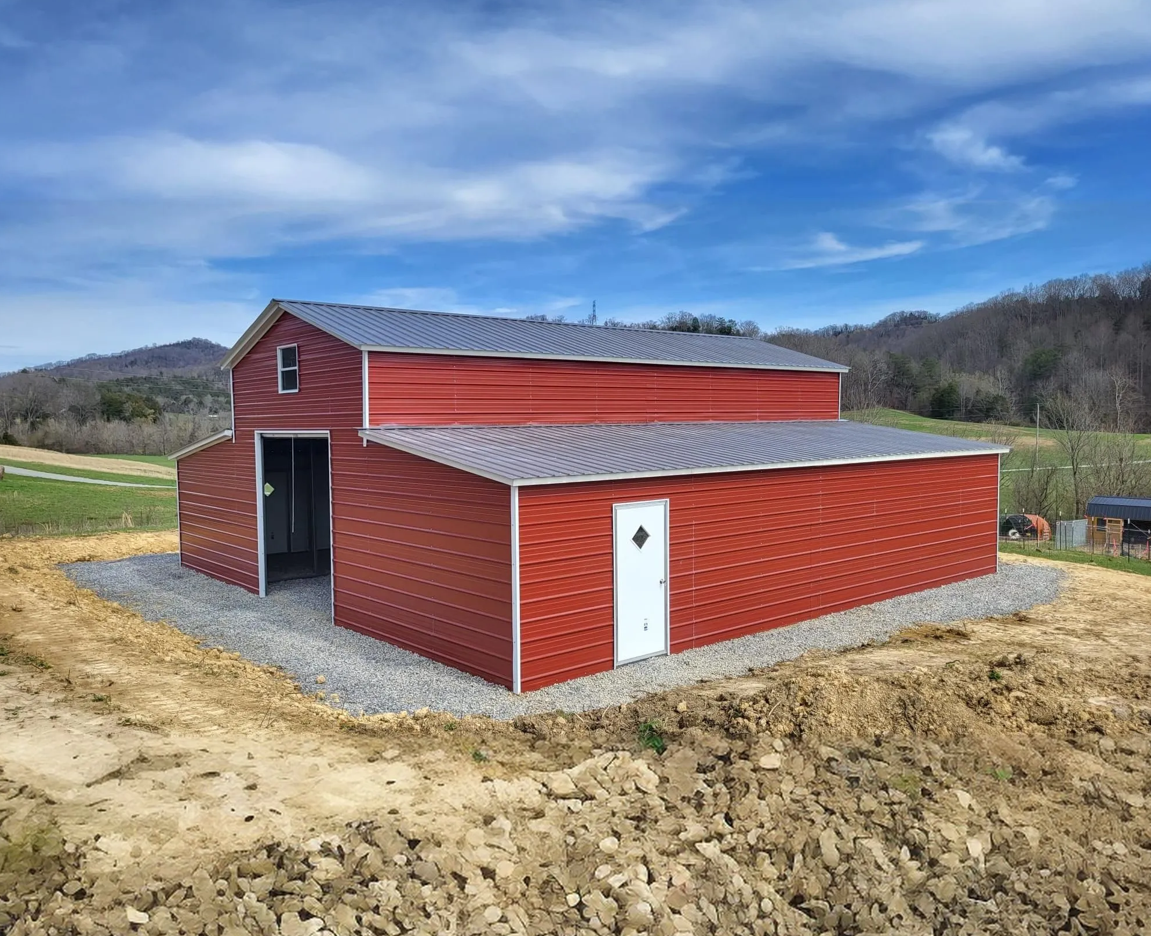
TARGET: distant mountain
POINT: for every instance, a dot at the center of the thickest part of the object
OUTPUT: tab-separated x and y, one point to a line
182	377
193	357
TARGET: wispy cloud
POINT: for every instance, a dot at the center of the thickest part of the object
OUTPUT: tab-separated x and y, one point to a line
963	145
827	250
978	216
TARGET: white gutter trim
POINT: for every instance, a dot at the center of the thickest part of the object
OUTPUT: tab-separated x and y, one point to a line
201	445
729	469
537	356
383	439
515	542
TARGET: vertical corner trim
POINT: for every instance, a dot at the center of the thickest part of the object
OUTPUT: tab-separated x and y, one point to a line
366	397
260	560
839	403
516	681
998	503
179	525
232	399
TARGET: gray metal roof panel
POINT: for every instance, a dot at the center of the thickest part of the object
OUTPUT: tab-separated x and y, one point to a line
406	329
554	453
1125	508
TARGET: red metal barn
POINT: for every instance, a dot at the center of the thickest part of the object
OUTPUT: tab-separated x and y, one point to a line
534	501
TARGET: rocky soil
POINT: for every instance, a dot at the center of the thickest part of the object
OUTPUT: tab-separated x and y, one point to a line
992	779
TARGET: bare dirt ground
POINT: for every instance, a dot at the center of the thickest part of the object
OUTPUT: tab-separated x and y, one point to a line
992	779
20	453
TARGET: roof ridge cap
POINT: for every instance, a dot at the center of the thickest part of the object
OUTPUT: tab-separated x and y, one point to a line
510	318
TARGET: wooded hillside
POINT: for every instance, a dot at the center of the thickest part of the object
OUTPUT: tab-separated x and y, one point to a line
1081	344
148	400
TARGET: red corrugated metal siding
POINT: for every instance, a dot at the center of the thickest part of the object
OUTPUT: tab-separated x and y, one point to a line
750	550
218	516
421	553
438	389
425	560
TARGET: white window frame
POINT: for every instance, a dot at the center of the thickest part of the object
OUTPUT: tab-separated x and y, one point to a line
281	370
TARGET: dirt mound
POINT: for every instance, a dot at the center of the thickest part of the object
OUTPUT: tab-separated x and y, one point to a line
986	780
718	835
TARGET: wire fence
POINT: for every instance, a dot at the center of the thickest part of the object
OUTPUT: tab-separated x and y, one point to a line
1095	538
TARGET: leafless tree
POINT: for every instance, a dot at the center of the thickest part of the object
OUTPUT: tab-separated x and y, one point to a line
1076	425
1123	392
1036	490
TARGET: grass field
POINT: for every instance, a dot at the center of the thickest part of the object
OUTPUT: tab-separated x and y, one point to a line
163	460
1021	438
86	473
1118	563
25	455
34	506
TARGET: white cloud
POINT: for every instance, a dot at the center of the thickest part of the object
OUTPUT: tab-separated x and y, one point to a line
826	250
978	216
173	136
963	145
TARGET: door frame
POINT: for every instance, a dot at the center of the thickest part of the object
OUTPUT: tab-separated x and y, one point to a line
262	560
615	508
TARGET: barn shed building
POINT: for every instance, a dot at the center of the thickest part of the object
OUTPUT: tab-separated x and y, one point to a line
534	501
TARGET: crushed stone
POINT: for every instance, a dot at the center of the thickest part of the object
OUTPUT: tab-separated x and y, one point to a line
291	629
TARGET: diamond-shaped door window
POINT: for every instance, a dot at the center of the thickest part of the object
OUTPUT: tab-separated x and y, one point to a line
640	537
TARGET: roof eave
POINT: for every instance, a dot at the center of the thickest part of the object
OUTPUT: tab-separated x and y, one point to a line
540	356
221	436
731	469
261	326
254	333
380	438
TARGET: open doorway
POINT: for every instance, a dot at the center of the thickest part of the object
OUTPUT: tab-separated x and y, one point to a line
297	515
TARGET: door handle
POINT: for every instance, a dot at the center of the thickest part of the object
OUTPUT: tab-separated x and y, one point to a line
663	581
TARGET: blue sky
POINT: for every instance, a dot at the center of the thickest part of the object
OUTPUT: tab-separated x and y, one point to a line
165	168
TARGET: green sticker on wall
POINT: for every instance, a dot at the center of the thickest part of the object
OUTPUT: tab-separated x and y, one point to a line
268	489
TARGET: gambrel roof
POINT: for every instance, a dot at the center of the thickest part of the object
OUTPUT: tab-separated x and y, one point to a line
369	328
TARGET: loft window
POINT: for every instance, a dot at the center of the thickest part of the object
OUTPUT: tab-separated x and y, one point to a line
640	537
289	368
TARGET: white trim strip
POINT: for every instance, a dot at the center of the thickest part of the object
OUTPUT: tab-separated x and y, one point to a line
383	439
366	396
516	647
201	445
261	554
998	505
232	397
538	356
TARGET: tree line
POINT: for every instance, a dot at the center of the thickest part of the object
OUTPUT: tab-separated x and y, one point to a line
1085	340
131	415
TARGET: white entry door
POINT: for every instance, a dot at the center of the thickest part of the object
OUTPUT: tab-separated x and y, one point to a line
641	588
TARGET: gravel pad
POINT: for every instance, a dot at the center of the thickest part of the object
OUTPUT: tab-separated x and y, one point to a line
292	629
